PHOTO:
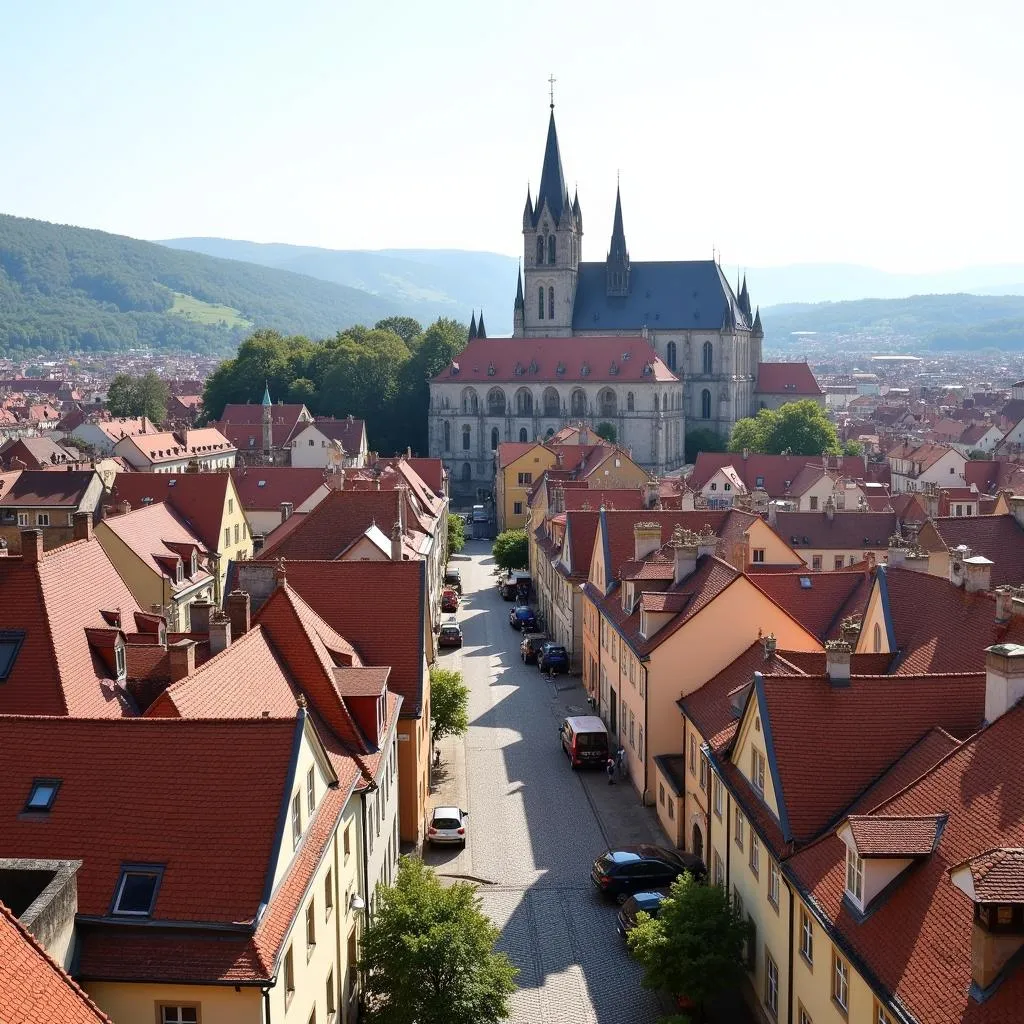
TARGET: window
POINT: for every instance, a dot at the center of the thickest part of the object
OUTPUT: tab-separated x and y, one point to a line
179	1014
803	1017
757	769
465	438
693	754
854	875
661	793
670	355
10	644
136	890
759	481
120	665
816	563
773	884
708	358
551	249
540	249
310	928
522	435
704	770
881	1017
227	536
525	479
517	508
806	937
551	303
840	982
23	519
494	439
738	829
640	744
289	977
705	404
755	854
540	292
727	487
814	503
42	794
328	894
447	436
759	556
42	519
296	820
771	984
717	787
630	402
719	870
310	791
672	810
347	841
353	956
231	505
837	562
332	1006
876	637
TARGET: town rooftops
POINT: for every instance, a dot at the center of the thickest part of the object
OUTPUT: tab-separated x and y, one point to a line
36	453
794	379
200	443
776	473
263	488
526	361
842	531
818	601
880	835
999	538
39	488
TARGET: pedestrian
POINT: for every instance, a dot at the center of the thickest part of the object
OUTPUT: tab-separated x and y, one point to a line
610	768
621	758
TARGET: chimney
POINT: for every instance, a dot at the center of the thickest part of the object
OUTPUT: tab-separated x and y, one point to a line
837	662
1004	679
237	607
220	632
1017	507
199	616
280	576
1004	603
340	486
286	511
684	545
31	546
830	509
403	493
183	659
396	543
769	643
849	630
83	525
978	574
646	539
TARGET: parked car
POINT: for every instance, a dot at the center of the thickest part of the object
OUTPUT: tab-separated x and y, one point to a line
515	586
531	646
447	825
453	579
449	599
629	869
522	617
449	635
649	901
553	658
584	739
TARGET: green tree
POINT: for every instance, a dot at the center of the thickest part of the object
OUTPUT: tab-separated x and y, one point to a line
428	954
694	948
852	447
302	391
800	428
449	703
701	439
607	431
456	534
138	396
408	329
511	550
121	395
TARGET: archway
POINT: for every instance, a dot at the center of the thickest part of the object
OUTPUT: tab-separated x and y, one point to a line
578	403
470	402
522	435
524	402
552	403
698	841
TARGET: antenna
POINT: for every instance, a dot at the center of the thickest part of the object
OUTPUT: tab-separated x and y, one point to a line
551	87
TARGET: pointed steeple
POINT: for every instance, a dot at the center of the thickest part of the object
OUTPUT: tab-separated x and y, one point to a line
481	331
576	211
744	297
266	394
520	304
552	181
519	310
729	317
472	327
617	263
528	211
757	330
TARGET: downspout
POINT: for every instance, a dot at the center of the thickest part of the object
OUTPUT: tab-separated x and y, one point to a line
789	989
728	838
339	910
647	739
266	1005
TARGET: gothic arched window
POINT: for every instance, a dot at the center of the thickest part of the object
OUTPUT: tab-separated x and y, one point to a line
447	436
467	472
540	249
524	402
522	435
608	403
551	303
708	357
470	402
494	439
540	303
670	355
664	403
551	249
552	403
465	438
495	402
629	401
705	404
578	403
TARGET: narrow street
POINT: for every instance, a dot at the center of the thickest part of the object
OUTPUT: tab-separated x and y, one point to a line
534	825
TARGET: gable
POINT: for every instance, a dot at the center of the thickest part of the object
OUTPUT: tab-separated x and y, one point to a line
753	741
876	626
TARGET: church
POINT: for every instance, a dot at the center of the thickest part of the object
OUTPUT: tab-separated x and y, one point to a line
701	339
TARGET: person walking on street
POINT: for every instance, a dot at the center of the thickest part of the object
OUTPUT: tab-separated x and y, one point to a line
610	768
621	759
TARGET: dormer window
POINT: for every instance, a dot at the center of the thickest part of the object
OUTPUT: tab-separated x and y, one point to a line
41	795
195	564
854	875
120	662
179	571
136	890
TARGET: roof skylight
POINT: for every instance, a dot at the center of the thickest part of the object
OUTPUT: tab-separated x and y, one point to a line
42	794
10	644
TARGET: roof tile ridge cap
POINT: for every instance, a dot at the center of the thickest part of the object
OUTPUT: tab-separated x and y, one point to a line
32	941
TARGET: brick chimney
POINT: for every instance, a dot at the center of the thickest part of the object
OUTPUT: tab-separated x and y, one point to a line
1004	603
646	539
83	525
286	511
220	632
1016	502
403	494
238	608
837	662
688	547
1004	679
183	659
31	546
396	543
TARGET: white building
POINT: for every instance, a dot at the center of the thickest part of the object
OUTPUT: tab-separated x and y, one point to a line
204	449
330	443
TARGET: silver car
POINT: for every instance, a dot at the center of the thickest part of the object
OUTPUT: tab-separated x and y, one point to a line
447	825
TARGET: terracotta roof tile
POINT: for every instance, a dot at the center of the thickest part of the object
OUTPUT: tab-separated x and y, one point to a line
168	446
998	876
775	470
786	379
999	538
857	531
820	607
243	423
38	487
881	835
263	488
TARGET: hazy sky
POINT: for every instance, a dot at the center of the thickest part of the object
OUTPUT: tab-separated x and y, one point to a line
886	133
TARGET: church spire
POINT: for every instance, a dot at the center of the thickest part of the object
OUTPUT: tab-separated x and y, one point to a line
481	331
520	304
472	327
552	180
519	310
757	330
617	263
744	298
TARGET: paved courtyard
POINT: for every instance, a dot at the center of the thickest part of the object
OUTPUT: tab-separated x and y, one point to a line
535	826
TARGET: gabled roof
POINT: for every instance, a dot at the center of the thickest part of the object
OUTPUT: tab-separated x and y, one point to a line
882	835
844	531
611	498
998	875
996	475
33	988
37	453
34	488
55	671
794	379
430	471
580	531
818	601
242	422
263	488
350	432
509	451
169	446
999	538
778	472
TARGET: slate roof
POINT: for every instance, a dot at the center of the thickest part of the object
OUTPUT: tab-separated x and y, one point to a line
56	672
880	835
597	354
39	488
845	531
34	989
999	538
794	379
689	295
263	488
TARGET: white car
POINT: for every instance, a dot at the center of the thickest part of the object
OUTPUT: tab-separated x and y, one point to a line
447	825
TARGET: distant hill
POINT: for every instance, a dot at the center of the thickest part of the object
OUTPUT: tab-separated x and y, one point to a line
936	322
428	282
71	289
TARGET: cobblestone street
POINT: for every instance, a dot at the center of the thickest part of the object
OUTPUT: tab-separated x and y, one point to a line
535	826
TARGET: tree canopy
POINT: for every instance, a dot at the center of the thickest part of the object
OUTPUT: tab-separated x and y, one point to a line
449	703
428	954
800	428
456	534
607	431
377	374
511	550
702	439
138	396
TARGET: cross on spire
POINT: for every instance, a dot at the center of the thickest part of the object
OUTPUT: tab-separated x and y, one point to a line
551	87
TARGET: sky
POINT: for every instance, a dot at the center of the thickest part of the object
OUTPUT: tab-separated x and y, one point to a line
882	133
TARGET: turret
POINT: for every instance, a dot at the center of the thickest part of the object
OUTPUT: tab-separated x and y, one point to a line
268	416
757	330
528	211
481	331
744	298
519	310
472	327
617	263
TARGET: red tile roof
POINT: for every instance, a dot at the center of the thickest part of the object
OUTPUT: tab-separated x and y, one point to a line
38	488
56	672
509	451
793	379
612	498
243	423
169	446
821	607
999	538
776	470
845	531
998	876
581	529
33	988
880	835
539	360
350	432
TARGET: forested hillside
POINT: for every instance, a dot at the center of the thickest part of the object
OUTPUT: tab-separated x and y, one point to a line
66	289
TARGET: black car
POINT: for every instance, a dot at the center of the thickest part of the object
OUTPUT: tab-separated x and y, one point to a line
522	617
629	869
453	579
649	901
